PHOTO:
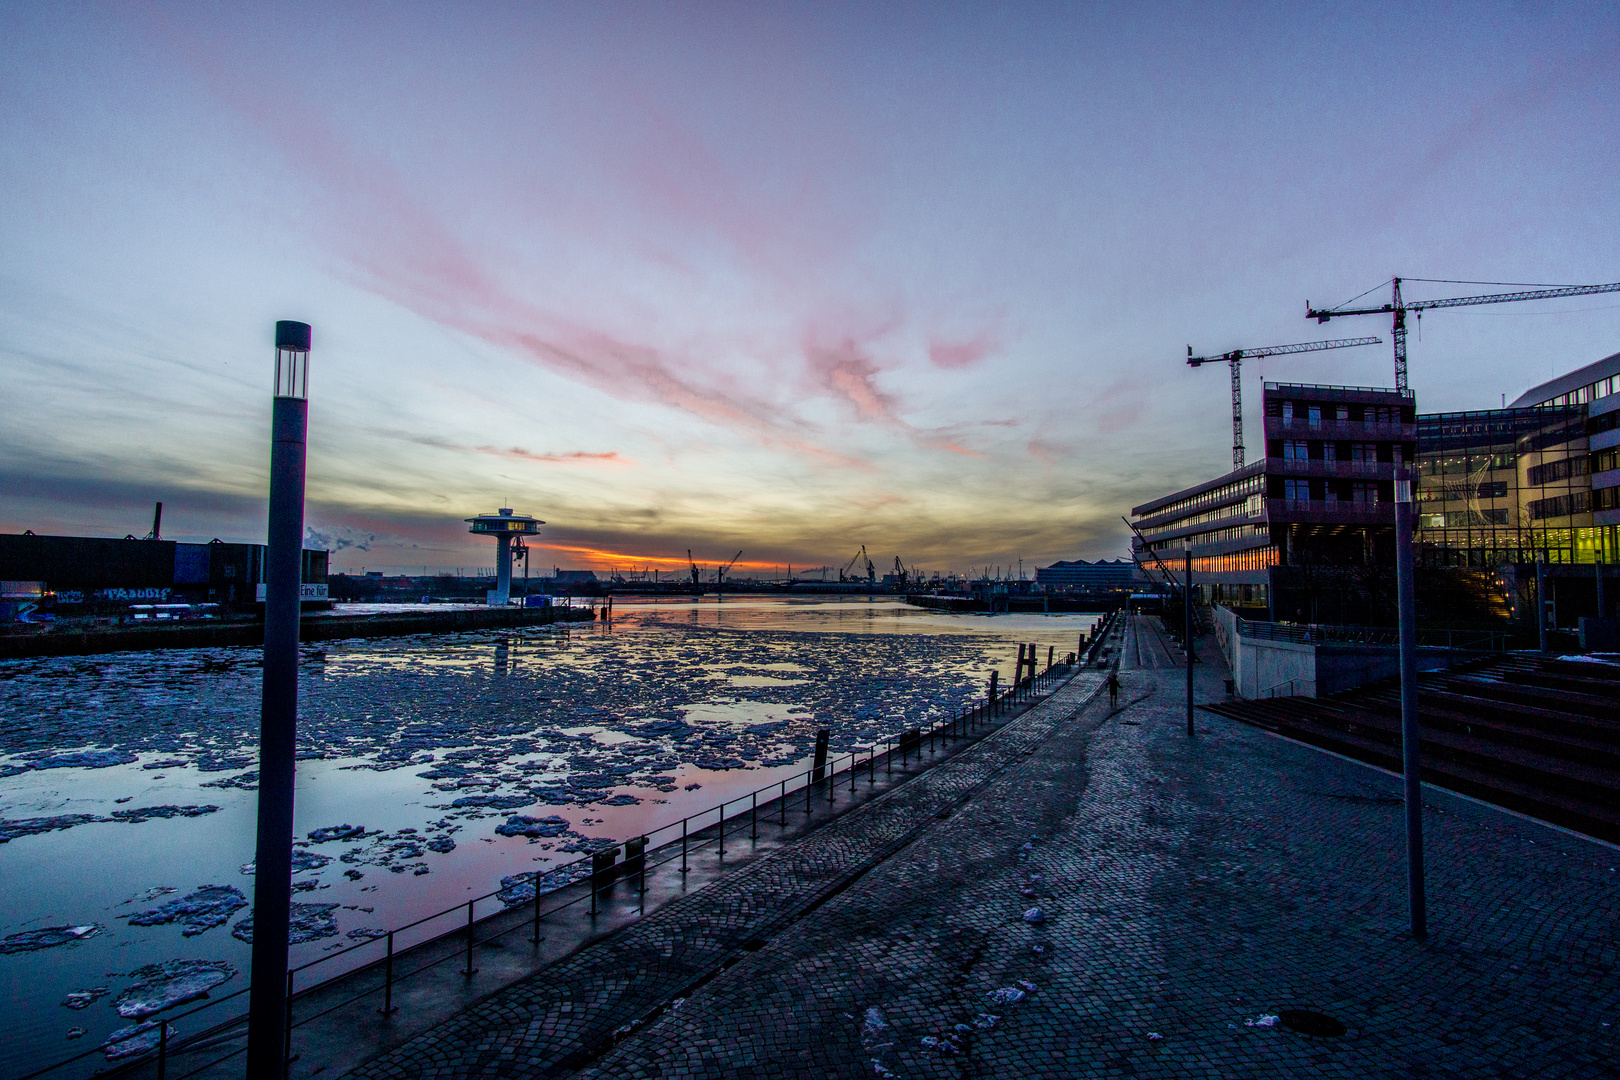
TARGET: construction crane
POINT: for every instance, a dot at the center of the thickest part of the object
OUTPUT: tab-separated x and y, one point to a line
721	571
1398	308
901	577
1235	359
693	565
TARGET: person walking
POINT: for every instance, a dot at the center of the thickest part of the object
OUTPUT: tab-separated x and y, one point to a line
1113	689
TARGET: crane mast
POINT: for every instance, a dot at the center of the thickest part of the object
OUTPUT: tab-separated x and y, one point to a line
1235	360
1398	307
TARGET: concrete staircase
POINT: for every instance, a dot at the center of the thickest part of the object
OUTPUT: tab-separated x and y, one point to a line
1533	734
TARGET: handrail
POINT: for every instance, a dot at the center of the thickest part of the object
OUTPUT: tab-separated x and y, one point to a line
959	725
1327	634
1267	692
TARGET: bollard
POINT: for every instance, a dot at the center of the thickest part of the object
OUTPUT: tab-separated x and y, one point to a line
853	760
832	783
888	755
753	817
286	1038
821	755
990	711
469	970
388	975
807	793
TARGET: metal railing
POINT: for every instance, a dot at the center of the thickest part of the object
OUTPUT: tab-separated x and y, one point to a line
549	885
1382	636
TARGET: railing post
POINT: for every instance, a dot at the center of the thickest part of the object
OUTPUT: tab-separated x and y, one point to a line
832	771
534	938
753	816
781	804
683	844
854	759
163	1047
722	830
388	976
470	971
286	1038
807	792
888	756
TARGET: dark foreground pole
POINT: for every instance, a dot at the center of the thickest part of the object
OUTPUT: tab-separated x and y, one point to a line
278	711
1187	634
1406	599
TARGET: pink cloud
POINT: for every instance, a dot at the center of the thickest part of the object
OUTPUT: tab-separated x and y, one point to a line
960	354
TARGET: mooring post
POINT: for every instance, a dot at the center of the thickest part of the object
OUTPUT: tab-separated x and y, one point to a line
1411	760
388	974
268	996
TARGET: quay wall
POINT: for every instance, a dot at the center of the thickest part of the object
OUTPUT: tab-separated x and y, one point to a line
203	635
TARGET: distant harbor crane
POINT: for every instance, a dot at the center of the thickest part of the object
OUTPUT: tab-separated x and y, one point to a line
1397	307
721	571
1235	359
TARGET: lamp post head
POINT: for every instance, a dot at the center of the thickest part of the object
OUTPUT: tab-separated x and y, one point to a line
292	359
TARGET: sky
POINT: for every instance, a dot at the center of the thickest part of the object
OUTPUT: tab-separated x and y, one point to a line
783	278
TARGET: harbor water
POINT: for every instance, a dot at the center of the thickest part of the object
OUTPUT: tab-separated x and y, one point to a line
430	768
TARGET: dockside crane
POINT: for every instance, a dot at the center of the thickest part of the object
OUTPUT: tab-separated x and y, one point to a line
721	571
693	565
1235	359
1397	308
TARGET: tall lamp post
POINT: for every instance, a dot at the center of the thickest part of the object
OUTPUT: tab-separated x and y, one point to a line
1187	631
1411	762
278	709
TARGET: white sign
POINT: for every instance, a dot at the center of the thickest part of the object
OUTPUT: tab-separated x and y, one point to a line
305	592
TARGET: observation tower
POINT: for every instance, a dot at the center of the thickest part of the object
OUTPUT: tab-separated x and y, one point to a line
508	529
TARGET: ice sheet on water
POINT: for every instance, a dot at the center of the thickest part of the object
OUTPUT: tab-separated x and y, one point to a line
170	983
308	922
135	1039
83	999
205	908
85	759
11	830
519	825
301	860
337	832
34	940
148	813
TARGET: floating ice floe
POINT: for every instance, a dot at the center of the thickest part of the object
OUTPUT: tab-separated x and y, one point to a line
301	860
366	933
207	907
519	825
309	921
33	940
173	982
84	759
519	888
83	999
147	813
11	830
77	1033
135	1039
337	832
441	844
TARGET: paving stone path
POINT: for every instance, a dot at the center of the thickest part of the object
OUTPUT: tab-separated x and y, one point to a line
566	1016
1198	895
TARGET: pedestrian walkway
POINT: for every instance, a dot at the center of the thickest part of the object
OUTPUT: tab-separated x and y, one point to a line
569	1014
1196	896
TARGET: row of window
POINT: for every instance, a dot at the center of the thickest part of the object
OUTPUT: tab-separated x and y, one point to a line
1552	471
1314	412
1311	450
1590	392
1251	485
1604	460
1576	502
1214	536
1301	489
1464	519
1460	464
1253	559
1490	489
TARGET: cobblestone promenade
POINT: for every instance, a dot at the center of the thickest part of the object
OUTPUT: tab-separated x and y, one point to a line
1191	892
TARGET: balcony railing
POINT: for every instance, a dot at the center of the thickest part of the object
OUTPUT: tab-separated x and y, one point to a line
1366	470
1329	512
1301	427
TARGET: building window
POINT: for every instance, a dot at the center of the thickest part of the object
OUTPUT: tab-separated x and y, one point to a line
1330	451
1553	471
1296	450
1315	416
1296	489
1288	412
1364	451
1364	491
